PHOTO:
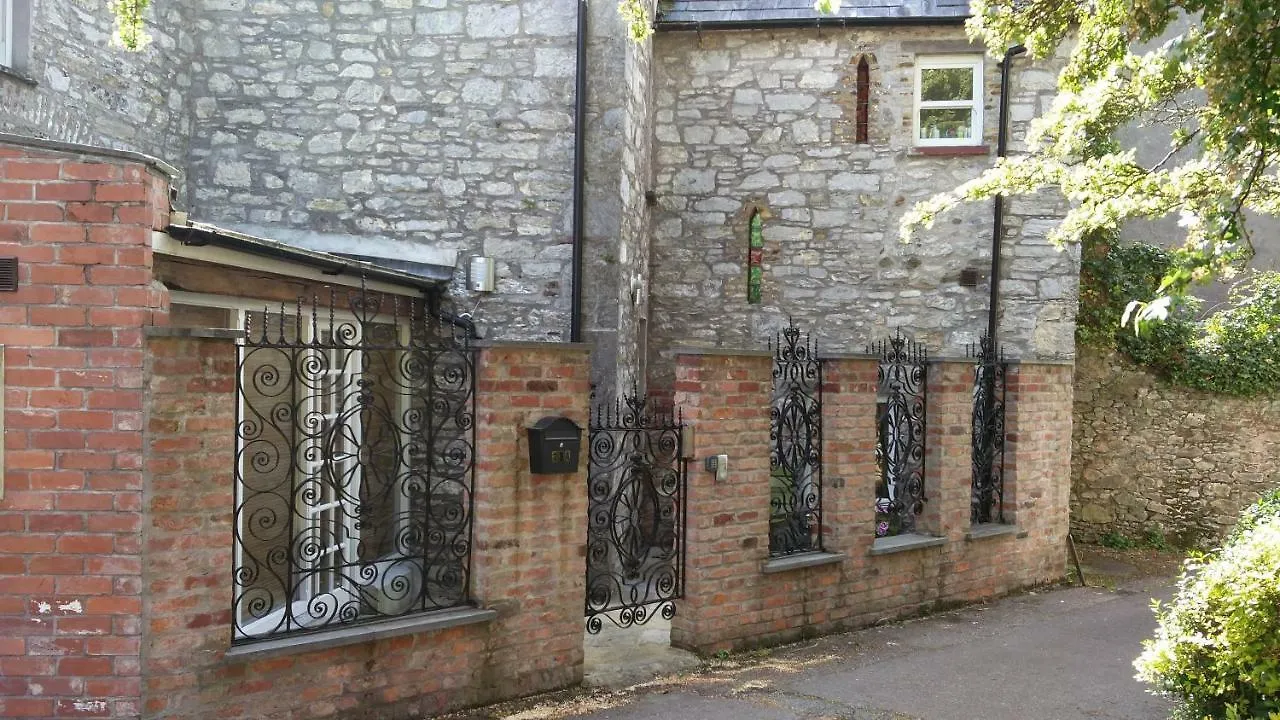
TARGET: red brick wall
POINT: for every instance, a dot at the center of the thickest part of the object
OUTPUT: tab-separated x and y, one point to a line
731	604
70	520
527	559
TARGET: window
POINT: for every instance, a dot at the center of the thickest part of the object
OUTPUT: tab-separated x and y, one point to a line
948	101
353	465
15	19
6	33
862	120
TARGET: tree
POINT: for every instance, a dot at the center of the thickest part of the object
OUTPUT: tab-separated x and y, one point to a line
1214	88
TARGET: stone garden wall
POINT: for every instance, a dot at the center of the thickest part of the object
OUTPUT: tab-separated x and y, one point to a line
1148	457
764	120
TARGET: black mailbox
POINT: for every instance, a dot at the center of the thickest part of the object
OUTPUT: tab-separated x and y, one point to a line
554	446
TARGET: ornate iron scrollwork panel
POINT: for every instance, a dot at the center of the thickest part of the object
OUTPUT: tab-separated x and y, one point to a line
354	466
987	504
795	446
900	447
635	524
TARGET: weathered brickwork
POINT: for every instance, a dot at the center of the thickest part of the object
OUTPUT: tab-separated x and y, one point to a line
731	603
78	87
71	517
526	560
763	120
1149	457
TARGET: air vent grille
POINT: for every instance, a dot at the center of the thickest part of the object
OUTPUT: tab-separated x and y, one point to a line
8	274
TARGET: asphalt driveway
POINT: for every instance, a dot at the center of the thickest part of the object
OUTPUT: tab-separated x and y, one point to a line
1061	654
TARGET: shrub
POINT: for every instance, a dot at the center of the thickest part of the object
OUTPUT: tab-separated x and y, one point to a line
1116	540
1217	647
1267	507
1235	350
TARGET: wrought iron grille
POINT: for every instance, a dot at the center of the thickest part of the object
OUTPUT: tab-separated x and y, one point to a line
354	465
795	439
900	446
635	513
987	504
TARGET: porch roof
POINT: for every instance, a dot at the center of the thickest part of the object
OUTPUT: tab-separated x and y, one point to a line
724	14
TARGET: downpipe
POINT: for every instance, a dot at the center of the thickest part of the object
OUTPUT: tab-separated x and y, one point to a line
579	172
997	229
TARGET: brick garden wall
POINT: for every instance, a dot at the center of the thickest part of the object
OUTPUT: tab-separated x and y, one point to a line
71	516
526	560
731	603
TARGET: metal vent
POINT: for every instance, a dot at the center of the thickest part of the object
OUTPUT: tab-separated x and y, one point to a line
8	274
969	277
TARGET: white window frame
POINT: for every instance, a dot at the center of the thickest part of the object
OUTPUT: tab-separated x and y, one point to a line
320	579
947	62
8	35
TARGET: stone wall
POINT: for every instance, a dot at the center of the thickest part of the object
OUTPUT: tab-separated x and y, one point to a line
765	120
737	597
425	130
75	86
1149	457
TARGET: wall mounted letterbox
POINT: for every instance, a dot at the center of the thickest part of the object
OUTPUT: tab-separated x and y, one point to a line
554	446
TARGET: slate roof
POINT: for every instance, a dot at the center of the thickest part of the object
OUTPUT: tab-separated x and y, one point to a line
709	13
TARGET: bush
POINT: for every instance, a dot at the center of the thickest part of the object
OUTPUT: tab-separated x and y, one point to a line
1267	507
1235	350
1217	647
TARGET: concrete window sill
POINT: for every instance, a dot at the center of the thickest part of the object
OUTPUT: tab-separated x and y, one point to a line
795	562
949	150
18	75
904	543
339	637
159	331
992	530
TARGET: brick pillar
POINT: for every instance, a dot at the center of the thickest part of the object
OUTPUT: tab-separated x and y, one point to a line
529	557
849	457
726	399
70	520
948	450
1038	417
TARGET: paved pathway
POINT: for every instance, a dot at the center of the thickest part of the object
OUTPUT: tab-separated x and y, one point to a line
1063	654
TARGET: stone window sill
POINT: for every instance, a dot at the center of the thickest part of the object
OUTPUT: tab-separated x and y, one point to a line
158	331
949	150
805	560
992	530
18	75
355	634
903	543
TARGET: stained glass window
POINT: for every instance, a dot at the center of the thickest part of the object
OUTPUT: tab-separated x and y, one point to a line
755	256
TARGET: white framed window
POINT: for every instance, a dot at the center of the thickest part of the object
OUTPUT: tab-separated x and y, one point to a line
948	100
7	34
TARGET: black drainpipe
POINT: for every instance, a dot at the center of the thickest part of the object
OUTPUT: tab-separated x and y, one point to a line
579	160
997	230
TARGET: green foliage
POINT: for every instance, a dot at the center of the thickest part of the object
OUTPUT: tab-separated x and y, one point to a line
1117	541
1153	537
129	33
1235	350
1209	87
1217	647
1267	508
636	16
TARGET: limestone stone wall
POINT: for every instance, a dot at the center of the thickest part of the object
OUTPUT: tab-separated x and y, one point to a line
427	130
765	119
1148	456
75	86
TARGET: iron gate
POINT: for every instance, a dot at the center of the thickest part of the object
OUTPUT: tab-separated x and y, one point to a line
635	513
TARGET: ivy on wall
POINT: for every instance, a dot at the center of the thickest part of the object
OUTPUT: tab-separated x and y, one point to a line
1234	350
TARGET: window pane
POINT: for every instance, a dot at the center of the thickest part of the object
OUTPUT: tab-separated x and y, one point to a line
946	123
946	84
